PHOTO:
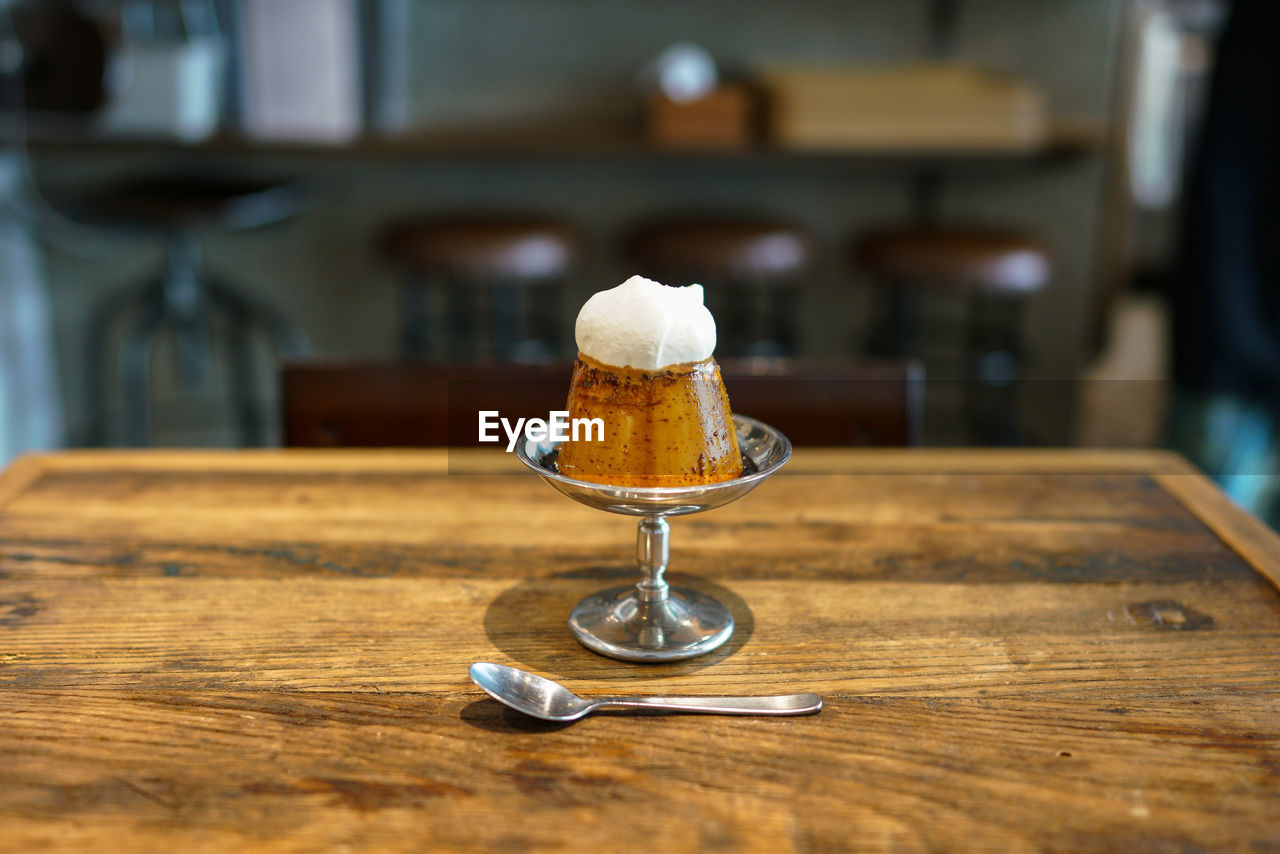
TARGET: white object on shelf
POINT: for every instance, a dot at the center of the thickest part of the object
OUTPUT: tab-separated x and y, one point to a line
301	77
683	72
166	88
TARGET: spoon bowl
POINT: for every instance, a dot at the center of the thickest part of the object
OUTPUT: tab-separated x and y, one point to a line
542	698
528	693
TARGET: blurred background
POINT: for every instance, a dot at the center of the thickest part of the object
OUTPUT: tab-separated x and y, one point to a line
1012	223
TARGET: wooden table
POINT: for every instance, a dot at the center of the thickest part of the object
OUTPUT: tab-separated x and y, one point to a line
268	651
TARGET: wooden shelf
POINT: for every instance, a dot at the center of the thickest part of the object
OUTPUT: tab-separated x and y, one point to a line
1065	140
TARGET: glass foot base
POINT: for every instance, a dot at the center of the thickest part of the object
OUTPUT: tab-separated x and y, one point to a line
616	623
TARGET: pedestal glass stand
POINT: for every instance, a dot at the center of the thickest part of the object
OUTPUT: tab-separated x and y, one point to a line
652	621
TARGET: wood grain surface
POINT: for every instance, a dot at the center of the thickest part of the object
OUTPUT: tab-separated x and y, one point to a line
1019	651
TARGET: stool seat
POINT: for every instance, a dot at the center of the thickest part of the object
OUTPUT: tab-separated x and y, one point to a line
175	202
966	258
735	251
474	250
457	270
750	268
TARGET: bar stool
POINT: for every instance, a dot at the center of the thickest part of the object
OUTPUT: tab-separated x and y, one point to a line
458	268
750	267
996	270
184	295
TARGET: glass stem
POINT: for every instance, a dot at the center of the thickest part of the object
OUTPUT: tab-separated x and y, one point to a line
652	551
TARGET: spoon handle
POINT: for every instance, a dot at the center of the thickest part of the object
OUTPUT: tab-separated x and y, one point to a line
789	704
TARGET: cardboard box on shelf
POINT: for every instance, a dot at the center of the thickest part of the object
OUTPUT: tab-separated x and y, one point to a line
725	118
915	107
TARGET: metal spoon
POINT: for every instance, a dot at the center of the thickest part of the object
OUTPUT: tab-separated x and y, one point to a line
551	701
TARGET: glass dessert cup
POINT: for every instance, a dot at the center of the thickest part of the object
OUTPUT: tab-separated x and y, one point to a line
652	621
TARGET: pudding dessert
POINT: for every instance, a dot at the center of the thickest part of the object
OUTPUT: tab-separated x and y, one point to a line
645	369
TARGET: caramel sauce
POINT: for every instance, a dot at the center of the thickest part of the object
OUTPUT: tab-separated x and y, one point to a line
671	427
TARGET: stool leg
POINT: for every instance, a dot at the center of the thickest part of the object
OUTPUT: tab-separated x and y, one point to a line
95	384
541	338
461	338
507	304
762	328
415	317
98	357
185	305
240	319
735	304
770	320
135	365
191	336
544	320
287	338
243	313
785	311
512	338
994	359
243	384
896	322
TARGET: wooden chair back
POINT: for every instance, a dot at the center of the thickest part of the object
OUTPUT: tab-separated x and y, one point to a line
367	404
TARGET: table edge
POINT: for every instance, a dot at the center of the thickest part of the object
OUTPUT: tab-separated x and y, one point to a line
480	461
1244	533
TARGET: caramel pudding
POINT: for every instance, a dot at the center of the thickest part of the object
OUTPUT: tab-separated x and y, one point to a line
671	427
645	370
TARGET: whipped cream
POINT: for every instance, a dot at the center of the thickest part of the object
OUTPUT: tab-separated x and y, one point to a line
646	325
